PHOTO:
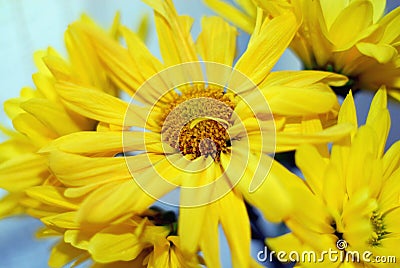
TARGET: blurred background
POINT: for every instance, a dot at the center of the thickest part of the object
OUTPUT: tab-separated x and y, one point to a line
30	25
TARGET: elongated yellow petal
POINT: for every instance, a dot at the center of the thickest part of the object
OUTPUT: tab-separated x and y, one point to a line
140	53
233	223
9	205
53	196
379	119
62	254
351	24
76	170
217	41
110	142
22	172
347	113
116	243
332	9
229	12
93	103
113	201
119	65
65	220
191	234
176	43
289	141
52	116
267	47
312	165
209	245
303	78
391	159
315	99
39	135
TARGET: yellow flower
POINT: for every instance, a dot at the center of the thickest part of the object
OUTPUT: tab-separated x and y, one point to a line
39	116
351	196
204	135
348	37
145	240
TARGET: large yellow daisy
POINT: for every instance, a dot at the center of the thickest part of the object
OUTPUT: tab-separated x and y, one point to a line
351	196
203	127
348	37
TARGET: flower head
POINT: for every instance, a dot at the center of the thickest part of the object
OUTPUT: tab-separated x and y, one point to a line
145	240
203	127
351	37
351	194
39	116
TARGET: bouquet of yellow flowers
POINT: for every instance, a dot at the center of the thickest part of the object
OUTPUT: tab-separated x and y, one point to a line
132	157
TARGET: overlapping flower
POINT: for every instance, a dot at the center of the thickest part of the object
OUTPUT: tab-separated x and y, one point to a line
353	38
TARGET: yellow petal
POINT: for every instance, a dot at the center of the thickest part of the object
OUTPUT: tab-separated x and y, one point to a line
217	41
312	165
109	143
39	134
351	24
332	9
229	12
290	141
9	205
76	170
379	119
45	85
303	78
266	47
52	116
22	172
315	32
333	189
53	196
62	254
298	101
347	113
140	53
116	243
191	234
389	25
270	195
383	53
65	220
119	65
391	159
176	44
93	104
236	222
363	146
209	242
114	201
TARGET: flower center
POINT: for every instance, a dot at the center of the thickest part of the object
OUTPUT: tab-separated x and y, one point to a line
196	122
378	226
